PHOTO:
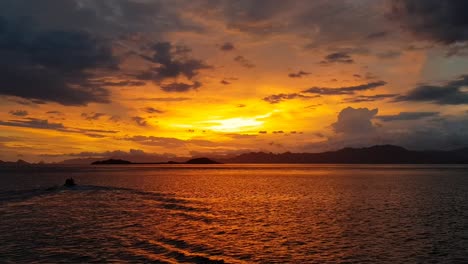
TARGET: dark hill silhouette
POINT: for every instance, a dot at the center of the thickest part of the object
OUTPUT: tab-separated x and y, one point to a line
79	161
201	161
111	161
380	154
191	161
19	162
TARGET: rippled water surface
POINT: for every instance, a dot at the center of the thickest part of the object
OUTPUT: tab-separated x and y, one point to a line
235	214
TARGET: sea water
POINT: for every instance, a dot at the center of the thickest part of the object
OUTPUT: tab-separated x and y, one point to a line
235	214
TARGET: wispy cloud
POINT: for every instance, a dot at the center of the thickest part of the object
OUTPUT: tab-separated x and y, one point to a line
405	116
337	57
19	112
369	98
298	74
344	89
244	62
278	98
45	124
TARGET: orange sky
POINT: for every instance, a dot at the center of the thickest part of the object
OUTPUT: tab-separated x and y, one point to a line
190	78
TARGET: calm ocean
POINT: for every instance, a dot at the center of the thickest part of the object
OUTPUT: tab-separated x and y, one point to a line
235	214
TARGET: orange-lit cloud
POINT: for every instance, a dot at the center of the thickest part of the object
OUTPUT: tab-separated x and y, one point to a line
166	78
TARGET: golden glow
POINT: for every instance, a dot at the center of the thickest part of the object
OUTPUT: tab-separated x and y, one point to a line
229	112
238	124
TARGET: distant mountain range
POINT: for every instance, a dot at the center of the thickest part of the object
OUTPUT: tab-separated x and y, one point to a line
19	162
380	154
123	162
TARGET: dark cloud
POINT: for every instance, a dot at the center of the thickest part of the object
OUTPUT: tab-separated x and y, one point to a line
227	81
33	123
119	83
369	98
55	14
407	116
338	57
319	91
450	93
440	21
162	99
92	116
19	112
45	124
313	106
254	17
153	110
244	62
66	51
391	54
319	21
23	101
344	90
413	47
97	130
180	87
228	46
278	132
182	50
262	132
104	17
355	121
298	74
140	121
351	50
54	113
277	98
170	62
378	35
52	65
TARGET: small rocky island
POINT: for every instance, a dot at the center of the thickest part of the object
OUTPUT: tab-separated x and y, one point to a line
120	161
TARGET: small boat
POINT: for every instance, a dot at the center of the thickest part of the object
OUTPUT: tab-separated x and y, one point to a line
69	182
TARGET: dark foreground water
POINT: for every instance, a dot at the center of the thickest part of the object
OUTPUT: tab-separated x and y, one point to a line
235	214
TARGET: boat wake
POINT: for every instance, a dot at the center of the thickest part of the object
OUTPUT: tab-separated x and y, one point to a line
88	223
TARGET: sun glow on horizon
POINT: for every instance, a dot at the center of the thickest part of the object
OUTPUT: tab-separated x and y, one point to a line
238	124
217	76
235	124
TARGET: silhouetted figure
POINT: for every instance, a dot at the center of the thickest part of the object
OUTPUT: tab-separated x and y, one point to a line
69	182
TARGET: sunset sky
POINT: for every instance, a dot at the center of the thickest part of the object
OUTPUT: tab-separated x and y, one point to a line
155	79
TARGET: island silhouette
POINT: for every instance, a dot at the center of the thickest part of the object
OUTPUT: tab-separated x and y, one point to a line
191	161
378	154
